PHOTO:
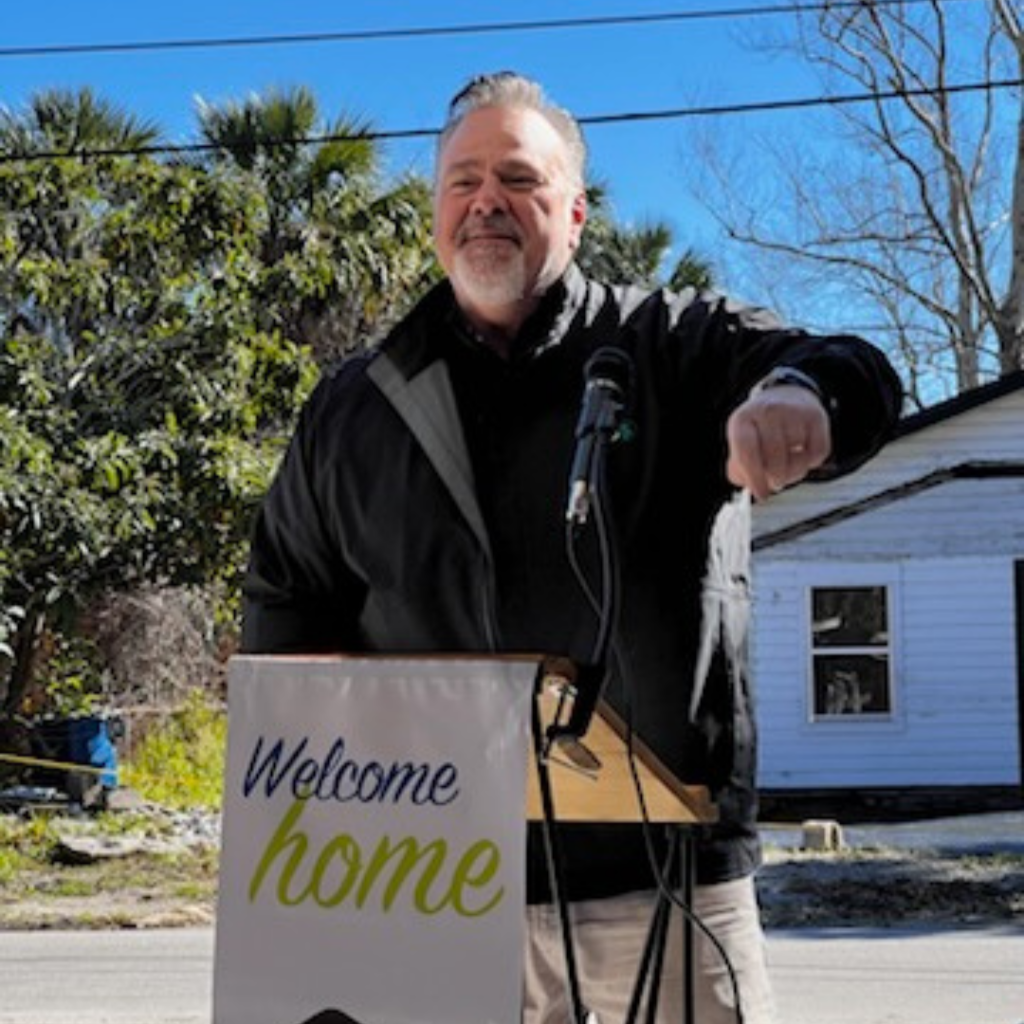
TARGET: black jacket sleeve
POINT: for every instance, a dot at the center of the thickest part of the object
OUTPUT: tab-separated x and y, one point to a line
299	597
739	345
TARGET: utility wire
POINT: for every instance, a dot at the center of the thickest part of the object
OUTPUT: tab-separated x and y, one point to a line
718	110
367	35
800	103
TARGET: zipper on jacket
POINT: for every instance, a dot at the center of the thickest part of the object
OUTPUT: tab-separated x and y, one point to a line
488	606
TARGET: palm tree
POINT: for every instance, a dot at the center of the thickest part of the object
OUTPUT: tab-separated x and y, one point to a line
325	198
70	121
269	136
624	254
691	271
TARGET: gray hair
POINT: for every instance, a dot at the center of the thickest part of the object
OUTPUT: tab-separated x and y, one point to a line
509	89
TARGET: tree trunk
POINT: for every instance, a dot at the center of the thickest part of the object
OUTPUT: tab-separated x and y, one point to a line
26	649
1009	321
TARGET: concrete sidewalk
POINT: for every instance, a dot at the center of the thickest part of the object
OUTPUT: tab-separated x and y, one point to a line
995	833
834	976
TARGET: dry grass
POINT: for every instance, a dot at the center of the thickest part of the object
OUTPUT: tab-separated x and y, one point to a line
163	886
175	886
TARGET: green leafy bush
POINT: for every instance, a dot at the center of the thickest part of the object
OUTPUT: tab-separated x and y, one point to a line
22	844
180	763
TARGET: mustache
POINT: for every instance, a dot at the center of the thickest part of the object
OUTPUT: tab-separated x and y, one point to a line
492	224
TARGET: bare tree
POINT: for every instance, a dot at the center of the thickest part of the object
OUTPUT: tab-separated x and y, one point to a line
920	219
1009	318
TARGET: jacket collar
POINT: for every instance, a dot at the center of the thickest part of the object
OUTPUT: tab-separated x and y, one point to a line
419	339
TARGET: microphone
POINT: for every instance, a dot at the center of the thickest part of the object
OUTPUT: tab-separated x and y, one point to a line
608	377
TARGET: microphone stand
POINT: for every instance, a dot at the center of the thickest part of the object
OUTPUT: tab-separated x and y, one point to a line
556	873
587	685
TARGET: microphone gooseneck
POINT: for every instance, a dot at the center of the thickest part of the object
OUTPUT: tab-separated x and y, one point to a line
608	379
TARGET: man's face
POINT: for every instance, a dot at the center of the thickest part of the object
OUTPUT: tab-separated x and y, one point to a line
508	214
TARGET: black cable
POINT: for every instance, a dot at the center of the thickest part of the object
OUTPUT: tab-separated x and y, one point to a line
609	564
621	664
610	573
664	887
647	826
801	103
679	113
419	32
556	867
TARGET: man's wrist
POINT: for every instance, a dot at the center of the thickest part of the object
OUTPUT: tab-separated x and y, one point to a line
790	376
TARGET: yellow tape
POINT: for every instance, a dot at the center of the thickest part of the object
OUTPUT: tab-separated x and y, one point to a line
38	762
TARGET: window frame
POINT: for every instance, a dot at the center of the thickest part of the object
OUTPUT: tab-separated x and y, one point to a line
885	579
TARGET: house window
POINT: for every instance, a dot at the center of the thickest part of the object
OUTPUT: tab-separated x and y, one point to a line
850	653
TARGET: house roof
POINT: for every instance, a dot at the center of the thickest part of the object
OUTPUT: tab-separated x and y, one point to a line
978	469
974	470
961	403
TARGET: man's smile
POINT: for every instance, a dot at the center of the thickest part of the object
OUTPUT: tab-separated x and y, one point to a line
488	237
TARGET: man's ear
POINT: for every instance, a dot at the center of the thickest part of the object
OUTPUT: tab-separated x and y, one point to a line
578	214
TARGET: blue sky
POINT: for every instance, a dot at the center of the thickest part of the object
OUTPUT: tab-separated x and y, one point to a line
405	83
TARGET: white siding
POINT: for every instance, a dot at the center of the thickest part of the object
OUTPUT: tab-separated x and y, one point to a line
952	519
953	659
992	432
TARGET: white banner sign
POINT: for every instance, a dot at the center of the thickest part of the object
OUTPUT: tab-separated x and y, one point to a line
372	860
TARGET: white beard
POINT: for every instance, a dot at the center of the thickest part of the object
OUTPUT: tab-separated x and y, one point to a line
491	275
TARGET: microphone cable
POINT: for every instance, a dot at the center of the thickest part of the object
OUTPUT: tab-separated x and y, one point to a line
606	642
665	887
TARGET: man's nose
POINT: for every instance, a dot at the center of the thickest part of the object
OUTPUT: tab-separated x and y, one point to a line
489	198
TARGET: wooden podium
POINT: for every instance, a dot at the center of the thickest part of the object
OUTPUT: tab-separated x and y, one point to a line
607	792
595	779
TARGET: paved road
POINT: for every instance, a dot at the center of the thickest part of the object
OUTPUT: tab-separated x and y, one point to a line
899	976
837	976
144	977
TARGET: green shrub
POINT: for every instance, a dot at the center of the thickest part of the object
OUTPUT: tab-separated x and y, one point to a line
23	844
180	763
73	677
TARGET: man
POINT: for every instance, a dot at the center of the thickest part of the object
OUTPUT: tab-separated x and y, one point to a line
421	508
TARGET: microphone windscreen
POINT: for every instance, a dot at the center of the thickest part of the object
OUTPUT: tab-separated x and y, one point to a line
612	365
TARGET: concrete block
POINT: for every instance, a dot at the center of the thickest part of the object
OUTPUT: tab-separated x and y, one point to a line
822	834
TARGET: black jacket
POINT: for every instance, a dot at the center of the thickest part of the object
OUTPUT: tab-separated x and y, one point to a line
420	508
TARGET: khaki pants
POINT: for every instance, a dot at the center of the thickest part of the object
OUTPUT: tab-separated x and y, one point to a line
609	937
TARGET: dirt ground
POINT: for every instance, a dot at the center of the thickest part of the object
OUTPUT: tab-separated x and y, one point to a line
881	887
173	884
146	889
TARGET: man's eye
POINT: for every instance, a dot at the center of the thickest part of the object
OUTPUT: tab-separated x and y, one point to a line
462	184
522	182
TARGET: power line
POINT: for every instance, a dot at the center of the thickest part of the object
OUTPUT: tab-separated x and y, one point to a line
719	110
367	35
844	99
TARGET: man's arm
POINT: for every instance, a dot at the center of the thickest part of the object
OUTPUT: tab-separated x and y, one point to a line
299	596
794	404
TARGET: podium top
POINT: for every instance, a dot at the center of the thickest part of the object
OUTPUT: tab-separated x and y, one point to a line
608	794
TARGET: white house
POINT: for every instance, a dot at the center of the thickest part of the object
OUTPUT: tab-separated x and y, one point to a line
888	611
